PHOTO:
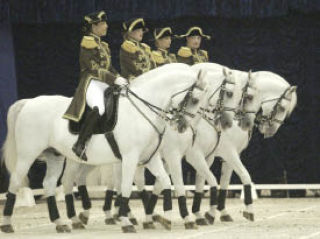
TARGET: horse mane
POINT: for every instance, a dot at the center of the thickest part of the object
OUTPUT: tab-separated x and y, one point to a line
150	75
294	98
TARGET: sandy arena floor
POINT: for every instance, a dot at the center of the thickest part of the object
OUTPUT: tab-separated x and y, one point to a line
275	218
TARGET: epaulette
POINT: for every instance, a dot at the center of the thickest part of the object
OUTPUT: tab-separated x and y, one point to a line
129	46
184	52
146	47
205	53
89	42
158	58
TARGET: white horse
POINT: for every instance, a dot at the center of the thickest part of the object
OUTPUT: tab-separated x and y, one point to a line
176	144
198	161
39	125
277	101
173	154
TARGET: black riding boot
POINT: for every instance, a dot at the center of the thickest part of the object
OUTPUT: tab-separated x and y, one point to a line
85	134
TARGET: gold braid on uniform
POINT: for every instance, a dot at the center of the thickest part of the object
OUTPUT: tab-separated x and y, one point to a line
185	52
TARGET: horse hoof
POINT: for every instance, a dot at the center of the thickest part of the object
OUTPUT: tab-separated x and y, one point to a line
156	218
201	222
248	215
148	225
110	221
209	218
116	217
63	228
7	228
84	219
165	223
190	225
226	218
78	225
133	221
129	229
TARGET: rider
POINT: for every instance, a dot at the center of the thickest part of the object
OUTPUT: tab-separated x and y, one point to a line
191	53
135	57
96	75
162	38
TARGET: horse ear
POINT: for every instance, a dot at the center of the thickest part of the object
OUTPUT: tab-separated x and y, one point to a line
201	79
293	88
224	71
250	74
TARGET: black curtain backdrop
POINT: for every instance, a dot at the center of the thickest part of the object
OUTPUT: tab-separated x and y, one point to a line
281	36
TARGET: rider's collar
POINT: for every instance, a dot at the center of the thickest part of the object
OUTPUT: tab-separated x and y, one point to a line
96	38
134	41
163	50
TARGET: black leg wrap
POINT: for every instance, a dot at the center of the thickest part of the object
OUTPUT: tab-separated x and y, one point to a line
124	207
183	206
117	201
151	204
86	202
213	196
222	199
108	200
145	198
53	209
167	200
70	206
8	208
196	202
247	194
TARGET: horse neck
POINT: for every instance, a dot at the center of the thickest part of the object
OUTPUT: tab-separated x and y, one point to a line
270	85
157	88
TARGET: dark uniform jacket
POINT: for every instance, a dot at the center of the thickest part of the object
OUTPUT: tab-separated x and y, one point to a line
162	57
95	63
189	56
135	59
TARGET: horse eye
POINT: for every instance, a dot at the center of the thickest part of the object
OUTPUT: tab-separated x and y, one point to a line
281	108
229	94
194	101
249	97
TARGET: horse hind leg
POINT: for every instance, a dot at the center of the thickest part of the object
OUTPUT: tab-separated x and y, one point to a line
23	165
55	164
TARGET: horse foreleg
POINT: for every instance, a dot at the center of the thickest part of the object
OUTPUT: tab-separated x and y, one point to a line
110	220
83	192
197	198
54	169
71	170
198	161
139	181
163	181
226	173
233	159
129	165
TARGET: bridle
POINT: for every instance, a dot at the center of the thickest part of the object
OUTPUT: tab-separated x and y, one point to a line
271	117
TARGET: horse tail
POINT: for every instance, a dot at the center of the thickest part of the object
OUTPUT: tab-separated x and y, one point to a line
9	146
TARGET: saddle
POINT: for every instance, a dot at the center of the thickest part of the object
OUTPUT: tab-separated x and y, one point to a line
107	121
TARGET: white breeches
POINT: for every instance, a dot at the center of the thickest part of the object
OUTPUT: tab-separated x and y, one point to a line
95	95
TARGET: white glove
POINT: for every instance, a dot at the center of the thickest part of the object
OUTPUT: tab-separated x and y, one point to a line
121	81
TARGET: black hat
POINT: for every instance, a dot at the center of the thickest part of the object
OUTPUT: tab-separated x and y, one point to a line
195	31
159	33
134	24
95	17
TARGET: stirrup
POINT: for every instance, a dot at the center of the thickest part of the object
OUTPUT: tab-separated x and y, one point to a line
82	155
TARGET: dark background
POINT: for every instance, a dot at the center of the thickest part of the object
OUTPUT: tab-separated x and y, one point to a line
39	46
